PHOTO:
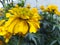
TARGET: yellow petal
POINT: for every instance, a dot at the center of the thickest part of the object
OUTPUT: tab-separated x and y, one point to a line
21	27
10	20
7	40
2	21
34	10
32	28
8	15
7	36
10	28
36	17
2	31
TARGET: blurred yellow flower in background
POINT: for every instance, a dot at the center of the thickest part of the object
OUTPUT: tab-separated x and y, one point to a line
42	7
16	5
28	6
51	8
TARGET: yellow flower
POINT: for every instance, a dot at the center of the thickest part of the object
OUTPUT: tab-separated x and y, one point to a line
22	21
51	8
17	5
28	6
42	7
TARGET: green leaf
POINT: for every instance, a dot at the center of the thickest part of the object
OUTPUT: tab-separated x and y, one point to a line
53	42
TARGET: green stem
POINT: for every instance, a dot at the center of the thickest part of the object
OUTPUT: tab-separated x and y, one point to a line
51	15
56	20
4	6
12	2
19	41
7	2
4	3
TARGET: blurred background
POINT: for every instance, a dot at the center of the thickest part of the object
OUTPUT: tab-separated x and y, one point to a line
37	3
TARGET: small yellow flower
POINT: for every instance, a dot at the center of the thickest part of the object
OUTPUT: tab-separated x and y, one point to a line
51	8
28	6
16	5
42	7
